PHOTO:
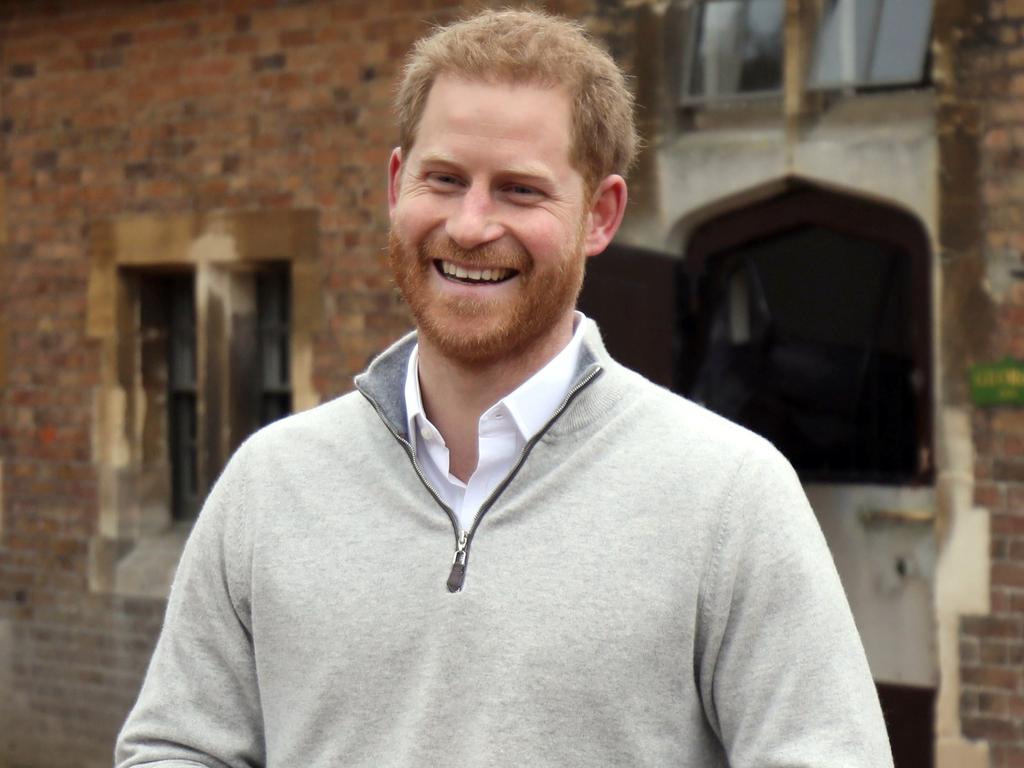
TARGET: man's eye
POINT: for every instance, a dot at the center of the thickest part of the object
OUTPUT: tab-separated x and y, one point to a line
445	179
520	190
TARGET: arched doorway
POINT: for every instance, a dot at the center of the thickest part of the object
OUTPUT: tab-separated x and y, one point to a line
809	323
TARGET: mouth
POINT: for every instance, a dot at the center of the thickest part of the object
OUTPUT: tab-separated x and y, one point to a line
468	276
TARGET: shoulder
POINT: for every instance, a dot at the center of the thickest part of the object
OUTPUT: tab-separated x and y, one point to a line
326	429
347	410
678	425
651	414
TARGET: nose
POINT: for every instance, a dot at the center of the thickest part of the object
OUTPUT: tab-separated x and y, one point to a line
473	222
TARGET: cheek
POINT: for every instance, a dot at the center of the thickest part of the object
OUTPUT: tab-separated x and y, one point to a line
414	219
547	241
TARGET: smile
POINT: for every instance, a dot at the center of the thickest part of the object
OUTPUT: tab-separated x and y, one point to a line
473	276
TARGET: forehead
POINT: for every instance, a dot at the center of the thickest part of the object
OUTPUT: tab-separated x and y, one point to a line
524	119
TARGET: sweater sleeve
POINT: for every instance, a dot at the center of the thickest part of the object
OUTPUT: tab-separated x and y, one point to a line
783	675
199	705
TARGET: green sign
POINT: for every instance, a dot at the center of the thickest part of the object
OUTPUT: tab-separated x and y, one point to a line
998	383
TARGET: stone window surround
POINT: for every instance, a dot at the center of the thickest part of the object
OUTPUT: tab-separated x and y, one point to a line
137	546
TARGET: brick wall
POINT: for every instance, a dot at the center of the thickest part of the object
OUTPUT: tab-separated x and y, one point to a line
116	107
992	646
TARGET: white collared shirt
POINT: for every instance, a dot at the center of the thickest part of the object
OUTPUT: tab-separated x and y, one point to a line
502	432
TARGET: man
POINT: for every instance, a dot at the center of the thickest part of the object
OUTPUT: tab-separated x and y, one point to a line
505	548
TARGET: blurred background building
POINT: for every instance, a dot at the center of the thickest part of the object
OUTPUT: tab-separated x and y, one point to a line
824	243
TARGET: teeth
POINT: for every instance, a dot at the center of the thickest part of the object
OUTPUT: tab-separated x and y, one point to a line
477	275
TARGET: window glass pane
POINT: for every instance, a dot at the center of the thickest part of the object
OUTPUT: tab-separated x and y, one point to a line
737	49
762	49
844	42
871	42
902	45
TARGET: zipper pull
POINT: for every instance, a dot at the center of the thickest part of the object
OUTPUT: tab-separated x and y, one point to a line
458	574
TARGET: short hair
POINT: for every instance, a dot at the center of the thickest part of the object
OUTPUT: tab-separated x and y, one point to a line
518	46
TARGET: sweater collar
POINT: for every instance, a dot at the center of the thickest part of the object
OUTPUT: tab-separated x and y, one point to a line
383	382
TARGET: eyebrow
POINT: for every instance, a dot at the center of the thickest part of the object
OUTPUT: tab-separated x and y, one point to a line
529	172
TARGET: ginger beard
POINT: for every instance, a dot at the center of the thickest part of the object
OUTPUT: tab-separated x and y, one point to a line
487	330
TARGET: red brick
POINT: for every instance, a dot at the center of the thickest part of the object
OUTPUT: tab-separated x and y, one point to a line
242	44
990	495
296	37
1008	470
990	729
993	627
1008	420
1008	525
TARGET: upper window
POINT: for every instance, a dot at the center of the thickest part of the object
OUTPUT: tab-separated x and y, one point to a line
872	43
735	50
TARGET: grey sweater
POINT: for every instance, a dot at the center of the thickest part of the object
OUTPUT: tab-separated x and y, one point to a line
650	589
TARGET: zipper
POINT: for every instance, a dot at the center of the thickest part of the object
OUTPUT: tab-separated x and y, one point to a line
464	537
457	577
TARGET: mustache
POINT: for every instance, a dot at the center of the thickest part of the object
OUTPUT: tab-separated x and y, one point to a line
507	255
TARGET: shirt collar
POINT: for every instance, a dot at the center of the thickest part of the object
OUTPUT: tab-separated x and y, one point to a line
531	404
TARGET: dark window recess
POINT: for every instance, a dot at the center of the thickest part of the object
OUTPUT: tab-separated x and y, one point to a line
910	716
804	318
804	341
866	43
273	306
734	50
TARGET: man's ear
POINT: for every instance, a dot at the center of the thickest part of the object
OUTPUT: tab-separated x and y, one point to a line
394	178
607	207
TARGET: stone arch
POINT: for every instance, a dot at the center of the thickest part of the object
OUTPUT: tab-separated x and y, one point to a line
682	229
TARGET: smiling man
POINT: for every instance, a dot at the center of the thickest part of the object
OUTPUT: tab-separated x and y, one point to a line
505	548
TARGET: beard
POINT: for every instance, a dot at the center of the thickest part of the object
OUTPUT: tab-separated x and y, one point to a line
478	332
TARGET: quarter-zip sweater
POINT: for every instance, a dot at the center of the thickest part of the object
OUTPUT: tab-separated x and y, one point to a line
649	587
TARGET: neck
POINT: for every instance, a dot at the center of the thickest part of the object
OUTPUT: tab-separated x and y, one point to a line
455	393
